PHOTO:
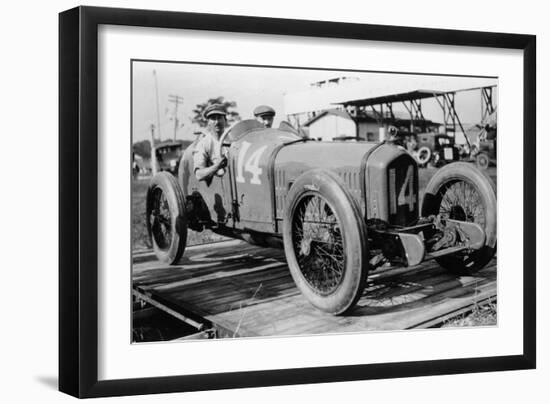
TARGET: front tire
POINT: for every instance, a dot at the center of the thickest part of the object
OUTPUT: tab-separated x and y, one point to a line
166	218
325	242
461	191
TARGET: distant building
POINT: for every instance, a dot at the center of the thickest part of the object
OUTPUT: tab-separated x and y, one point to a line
338	123
365	108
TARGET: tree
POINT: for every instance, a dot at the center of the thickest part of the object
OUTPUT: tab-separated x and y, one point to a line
143	148
232	115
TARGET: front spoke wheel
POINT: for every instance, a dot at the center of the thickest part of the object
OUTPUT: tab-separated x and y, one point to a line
319	244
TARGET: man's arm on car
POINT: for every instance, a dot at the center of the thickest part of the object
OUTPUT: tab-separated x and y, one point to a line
205	173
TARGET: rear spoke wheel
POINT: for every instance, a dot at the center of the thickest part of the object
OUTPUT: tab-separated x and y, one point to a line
161	220
165	217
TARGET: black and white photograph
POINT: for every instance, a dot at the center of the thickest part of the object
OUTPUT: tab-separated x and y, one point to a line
295	202
273	201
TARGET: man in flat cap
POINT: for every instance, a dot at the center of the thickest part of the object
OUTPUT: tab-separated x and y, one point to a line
206	158
264	114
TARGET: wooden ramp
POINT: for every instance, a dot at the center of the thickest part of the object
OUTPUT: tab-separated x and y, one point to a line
248	291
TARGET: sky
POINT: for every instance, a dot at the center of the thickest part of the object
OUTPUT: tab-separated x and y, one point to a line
252	86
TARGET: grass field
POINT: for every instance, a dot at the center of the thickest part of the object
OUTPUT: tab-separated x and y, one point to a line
481	315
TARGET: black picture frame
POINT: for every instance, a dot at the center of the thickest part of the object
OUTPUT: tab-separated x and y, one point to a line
78	201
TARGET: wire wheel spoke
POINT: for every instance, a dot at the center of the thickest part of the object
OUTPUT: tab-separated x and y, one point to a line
318	244
161	220
460	200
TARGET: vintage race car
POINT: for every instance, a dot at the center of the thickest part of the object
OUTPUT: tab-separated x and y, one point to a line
339	209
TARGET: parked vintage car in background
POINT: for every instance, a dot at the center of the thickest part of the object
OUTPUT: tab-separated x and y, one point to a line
485	149
339	209
436	149
169	155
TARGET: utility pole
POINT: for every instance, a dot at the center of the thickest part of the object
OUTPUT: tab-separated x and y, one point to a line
157	101
153	150
176	99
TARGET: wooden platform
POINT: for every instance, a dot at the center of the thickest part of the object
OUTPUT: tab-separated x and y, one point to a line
248	291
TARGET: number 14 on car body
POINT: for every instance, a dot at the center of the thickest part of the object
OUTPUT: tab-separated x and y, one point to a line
249	163
406	196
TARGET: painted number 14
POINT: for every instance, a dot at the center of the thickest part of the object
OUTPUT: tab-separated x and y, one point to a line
406	193
249	164
406	196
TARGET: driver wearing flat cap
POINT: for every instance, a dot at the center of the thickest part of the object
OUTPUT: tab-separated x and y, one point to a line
265	114
206	155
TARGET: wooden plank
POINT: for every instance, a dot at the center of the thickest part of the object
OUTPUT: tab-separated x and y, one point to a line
439	287
283	314
166	309
249	290
220	286
258	286
207	334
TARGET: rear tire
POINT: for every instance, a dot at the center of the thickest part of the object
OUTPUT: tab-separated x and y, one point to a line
461	191
166	218
325	242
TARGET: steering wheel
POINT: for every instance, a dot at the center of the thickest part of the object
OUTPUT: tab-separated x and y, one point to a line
221	142
238	129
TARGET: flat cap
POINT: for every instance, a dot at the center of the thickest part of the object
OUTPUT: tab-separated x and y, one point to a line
213	109
263	110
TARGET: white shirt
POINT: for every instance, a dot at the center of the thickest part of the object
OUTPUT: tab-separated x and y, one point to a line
206	152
